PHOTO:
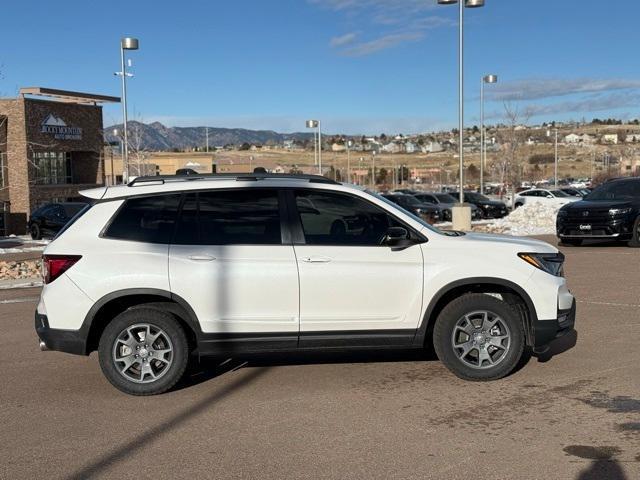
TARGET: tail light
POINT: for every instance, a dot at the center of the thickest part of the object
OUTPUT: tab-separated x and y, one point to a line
55	265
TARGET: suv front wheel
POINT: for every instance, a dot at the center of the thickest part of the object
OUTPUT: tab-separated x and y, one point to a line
143	351
479	337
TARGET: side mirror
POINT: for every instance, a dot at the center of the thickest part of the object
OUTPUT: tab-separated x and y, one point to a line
397	238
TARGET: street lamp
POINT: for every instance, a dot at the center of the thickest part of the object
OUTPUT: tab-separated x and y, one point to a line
318	151
126	43
483	147
349	143
461	213
555	175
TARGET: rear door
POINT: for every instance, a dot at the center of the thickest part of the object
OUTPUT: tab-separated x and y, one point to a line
231	262
354	290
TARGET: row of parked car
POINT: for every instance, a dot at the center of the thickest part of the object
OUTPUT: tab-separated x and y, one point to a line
434	206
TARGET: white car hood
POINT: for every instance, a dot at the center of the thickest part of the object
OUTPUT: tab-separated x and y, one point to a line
521	243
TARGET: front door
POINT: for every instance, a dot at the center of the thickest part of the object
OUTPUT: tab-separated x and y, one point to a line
228	261
354	290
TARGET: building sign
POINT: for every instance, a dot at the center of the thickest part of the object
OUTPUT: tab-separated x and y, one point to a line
57	127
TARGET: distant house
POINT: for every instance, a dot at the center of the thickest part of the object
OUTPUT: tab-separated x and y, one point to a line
338	147
288	144
632	138
411	147
391	147
610	138
572	139
433	147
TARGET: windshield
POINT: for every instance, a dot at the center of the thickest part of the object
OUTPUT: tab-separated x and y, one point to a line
558	193
445	198
399	208
476	197
625	190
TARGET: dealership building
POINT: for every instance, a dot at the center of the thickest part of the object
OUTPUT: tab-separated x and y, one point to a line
51	146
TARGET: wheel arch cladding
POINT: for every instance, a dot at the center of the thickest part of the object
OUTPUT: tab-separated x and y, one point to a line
511	293
111	305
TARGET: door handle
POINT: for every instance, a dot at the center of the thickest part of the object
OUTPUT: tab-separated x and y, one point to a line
201	258
316	259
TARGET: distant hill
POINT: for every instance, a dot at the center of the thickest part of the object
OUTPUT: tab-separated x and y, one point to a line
157	137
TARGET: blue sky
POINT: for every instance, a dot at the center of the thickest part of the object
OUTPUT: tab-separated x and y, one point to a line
361	66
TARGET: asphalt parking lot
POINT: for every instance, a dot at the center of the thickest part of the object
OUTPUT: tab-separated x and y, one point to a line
575	415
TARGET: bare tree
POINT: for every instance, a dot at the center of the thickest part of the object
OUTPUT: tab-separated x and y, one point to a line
512	136
138	153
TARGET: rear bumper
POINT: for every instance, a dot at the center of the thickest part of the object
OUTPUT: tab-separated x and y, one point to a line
68	341
545	331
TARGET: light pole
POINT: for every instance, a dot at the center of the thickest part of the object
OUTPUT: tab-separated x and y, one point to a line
126	43
113	173
373	170
317	151
483	146
461	213
555	174
349	143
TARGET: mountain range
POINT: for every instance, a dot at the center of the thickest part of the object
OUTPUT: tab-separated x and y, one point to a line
158	137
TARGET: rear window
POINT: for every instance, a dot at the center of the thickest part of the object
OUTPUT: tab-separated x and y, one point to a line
235	217
146	219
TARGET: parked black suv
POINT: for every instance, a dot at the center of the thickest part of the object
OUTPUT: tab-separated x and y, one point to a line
430	213
611	211
48	219
489	208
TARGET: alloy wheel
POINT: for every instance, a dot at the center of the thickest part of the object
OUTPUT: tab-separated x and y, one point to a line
142	353
481	339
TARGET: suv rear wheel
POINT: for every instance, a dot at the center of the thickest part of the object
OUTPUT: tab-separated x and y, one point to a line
479	337
143	351
35	232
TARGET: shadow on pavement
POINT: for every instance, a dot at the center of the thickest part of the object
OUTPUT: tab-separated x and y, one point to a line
603	469
131	448
558	346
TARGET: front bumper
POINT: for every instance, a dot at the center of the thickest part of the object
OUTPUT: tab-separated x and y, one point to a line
612	228
545	331
68	341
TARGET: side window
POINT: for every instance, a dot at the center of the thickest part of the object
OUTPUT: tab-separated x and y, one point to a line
340	219
146	219
233	217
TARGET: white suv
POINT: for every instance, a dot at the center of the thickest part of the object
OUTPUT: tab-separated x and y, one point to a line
167	268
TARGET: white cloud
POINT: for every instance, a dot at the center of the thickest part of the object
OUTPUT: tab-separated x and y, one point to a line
538	88
388	41
343	40
395	21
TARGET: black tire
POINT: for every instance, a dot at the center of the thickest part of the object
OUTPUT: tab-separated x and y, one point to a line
35	232
157	319
635	240
571	242
454	312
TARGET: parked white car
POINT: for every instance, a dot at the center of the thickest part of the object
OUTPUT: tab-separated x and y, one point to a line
556	198
169	268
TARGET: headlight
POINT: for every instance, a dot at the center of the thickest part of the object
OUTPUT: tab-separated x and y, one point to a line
619	211
547	262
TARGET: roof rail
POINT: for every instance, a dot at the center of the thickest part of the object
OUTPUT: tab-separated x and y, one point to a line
241	177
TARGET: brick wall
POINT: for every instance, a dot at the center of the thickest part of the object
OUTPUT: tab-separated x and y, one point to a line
24	138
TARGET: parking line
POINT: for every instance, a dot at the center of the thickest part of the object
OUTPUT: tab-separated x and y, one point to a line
610	304
20	300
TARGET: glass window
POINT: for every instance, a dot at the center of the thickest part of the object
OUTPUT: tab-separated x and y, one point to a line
616	190
233	217
52	168
146	219
4	177
339	219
